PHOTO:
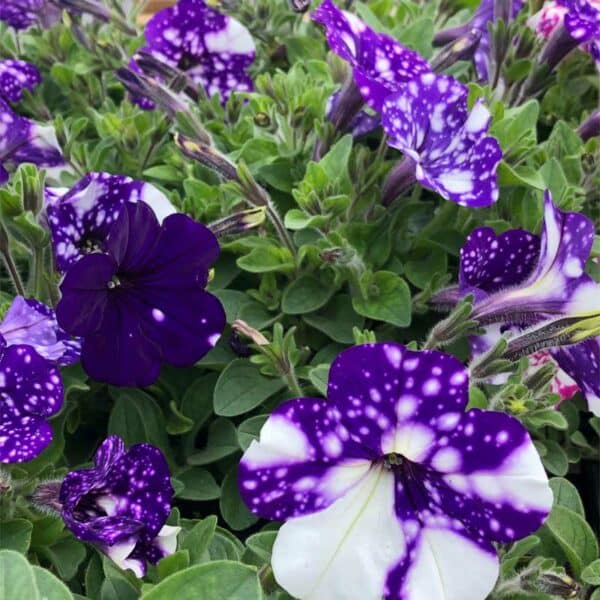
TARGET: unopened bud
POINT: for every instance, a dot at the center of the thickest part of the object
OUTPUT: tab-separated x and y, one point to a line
239	222
262	119
299	6
46	497
206	155
557	585
462	48
256	336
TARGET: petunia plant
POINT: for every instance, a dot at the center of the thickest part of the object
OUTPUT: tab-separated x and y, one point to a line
299	300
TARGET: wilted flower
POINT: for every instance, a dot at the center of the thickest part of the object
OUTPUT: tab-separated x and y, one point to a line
388	487
212	49
380	64
22	140
29	321
79	220
484	15
548	19
30	391
15	76
446	147
142	301
22	14
121	504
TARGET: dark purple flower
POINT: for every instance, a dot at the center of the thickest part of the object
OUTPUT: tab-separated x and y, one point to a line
380	64
212	49
518	279
79	220
30	391
15	76
480	20
121	504
22	140
447	148
389	487
31	322
143	302
361	124
21	14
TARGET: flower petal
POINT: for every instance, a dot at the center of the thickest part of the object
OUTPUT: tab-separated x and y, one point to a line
392	399
303	461
22	438
15	76
490	262
346	550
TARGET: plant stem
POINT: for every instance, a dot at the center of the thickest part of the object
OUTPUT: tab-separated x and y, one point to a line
13	272
292	382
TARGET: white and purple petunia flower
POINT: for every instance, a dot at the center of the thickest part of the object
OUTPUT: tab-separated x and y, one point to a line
380	64
214	50
30	391
388	488
29	321
80	218
517	279
16	76
483	16
121	504
22	14
23	140
141	301
446	147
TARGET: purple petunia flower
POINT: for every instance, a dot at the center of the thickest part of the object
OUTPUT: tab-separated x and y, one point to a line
447	148
30	391
380	64
29	321
389	487
518	279
143	302
213	49
79	220
16	76
121	504
22	140
580	25
480	20
21	14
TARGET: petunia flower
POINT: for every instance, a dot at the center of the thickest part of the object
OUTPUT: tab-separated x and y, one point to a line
16	76
517	279
142	301
446	147
580	26
590	127
22	14
29	321
483	16
121	504
30	391
380	64
80	219
213	49
547	19
22	140
389	488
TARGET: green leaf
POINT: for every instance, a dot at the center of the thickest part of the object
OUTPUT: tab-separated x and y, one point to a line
199	485
262	544
249	430
17	580
388	299
15	535
49	586
66	555
197	539
574	536
241	387
591	574
555	460
566	494
319	377
305	294
233	509
548	418
173	563
221	442
163	173
212	581
424	263
136	418
267	260
337	319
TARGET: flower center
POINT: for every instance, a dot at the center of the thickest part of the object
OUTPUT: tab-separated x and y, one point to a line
393	461
115	282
